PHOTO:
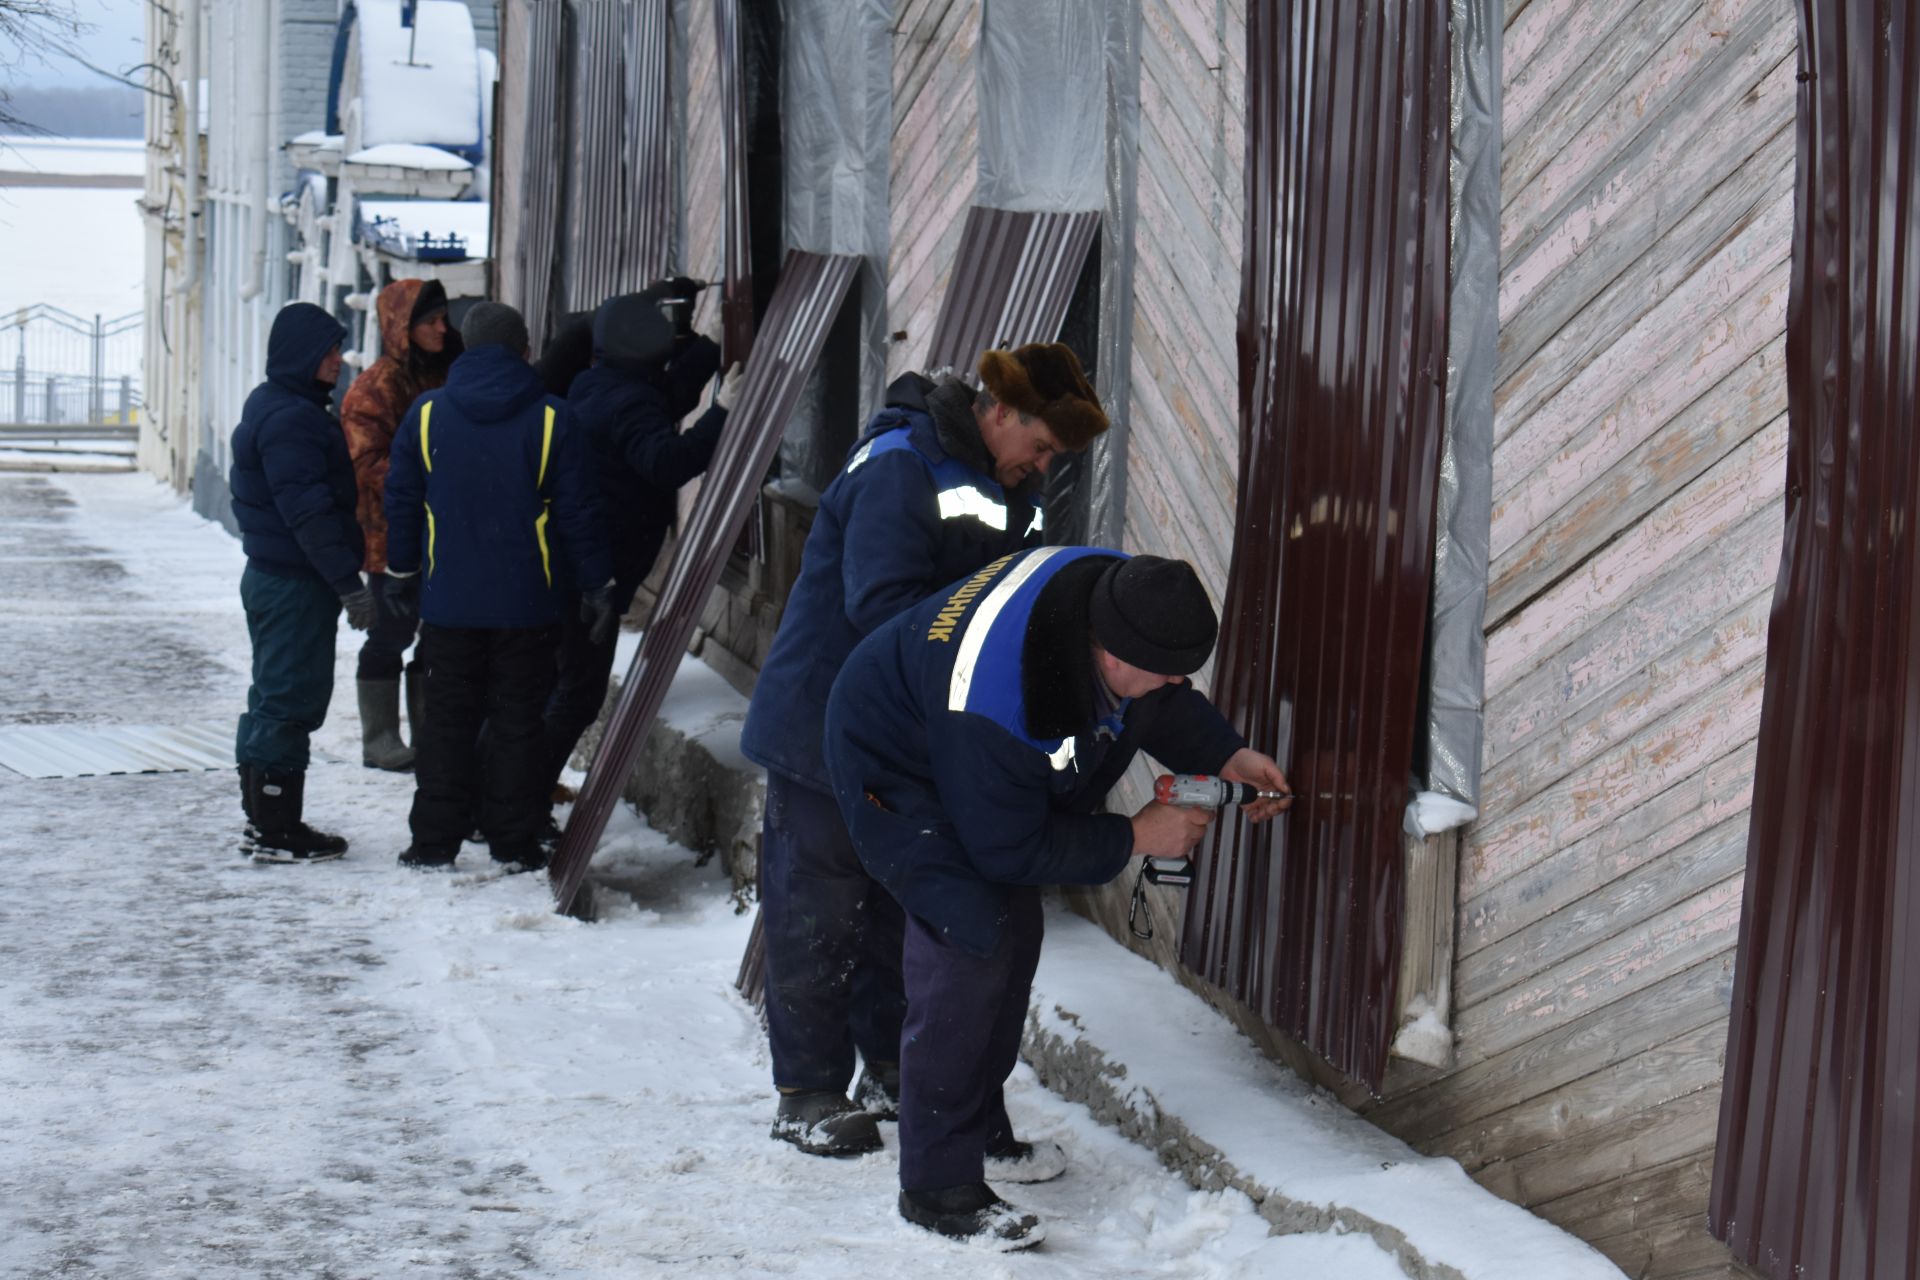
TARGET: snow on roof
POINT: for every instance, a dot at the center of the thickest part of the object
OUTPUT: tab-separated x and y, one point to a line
424	229
318	138
410	155
418	84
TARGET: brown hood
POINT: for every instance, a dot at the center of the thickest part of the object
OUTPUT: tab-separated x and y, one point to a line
396	306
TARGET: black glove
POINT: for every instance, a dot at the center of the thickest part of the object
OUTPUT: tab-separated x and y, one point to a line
596	610
402	596
360	608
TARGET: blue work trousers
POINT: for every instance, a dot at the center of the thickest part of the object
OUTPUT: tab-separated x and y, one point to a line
833	945
965	1013
292	623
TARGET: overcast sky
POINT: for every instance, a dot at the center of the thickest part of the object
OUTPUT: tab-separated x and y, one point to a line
114	42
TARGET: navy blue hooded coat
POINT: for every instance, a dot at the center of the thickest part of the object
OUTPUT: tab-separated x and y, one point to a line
489	492
972	743
902	519
628	406
292	477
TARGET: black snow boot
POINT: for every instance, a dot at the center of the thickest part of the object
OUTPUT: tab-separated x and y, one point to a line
246	791
823	1123
380	744
973	1213
877	1091
426	858
1017	1161
275	830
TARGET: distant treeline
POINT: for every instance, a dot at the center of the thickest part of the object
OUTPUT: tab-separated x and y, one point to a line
104	112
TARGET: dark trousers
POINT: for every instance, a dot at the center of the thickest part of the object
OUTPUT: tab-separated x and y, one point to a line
292	623
582	671
384	652
833	945
965	1014
499	678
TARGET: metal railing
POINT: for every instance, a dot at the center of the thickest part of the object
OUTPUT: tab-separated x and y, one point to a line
69	369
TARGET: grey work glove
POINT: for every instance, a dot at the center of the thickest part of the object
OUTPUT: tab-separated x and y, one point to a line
596	610
361	610
402	595
729	390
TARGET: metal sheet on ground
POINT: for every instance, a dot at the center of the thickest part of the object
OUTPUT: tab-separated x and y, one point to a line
97	750
811	291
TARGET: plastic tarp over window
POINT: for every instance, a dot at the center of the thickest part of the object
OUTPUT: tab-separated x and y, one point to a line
1448	781
837	116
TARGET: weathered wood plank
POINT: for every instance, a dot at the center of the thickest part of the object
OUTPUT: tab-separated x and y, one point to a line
1678	1249
1721	791
1678	1189
1634	143
1676	354
1690	1062
1683	1127
1601	648
1616	909
1598	1039
1699	927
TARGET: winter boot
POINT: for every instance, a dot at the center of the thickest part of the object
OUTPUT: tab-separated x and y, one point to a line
426	858
877	1091
380	744
246	791
530	858
1017	1161
971	1212
276	831
823	1123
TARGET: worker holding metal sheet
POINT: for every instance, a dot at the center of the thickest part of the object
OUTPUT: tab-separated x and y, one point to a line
942	481
972	742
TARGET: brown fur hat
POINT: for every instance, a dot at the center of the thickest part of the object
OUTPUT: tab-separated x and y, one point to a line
1044	379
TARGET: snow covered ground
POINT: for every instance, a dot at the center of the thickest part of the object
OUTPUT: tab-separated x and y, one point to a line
217	1070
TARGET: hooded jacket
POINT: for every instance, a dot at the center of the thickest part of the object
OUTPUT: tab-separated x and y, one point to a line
291	480
489	496
904	517
629	406
381	396
971	743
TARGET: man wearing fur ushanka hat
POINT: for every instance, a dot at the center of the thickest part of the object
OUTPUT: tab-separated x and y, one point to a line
943	480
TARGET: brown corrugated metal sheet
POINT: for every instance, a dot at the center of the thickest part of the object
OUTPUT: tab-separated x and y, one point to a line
1342	339
1816	1174
736	295
620	197
540	159
1013	277
811	290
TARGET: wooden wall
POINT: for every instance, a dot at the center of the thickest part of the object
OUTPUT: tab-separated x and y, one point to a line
936	147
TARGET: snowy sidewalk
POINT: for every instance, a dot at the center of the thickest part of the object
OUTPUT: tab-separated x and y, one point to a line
217	1070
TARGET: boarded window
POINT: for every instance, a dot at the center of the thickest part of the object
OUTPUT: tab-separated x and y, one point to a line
1343	342
1816	1172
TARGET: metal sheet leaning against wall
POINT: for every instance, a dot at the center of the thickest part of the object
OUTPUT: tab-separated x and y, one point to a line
1342	339
1817	1174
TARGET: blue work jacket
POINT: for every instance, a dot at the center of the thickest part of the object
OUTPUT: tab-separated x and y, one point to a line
971	744
488	491
294	495
901	520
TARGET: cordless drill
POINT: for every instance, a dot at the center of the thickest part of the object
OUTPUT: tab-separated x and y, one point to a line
1196	791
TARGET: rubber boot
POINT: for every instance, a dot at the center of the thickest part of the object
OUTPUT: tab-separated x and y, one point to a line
380	744
823	1123
877	1091
277	833
971	1212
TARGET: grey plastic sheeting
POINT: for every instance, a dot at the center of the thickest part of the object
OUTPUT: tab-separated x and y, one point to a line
837	117
94	750
1058	87
1456	640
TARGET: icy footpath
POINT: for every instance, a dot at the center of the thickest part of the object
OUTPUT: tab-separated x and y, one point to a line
216	1070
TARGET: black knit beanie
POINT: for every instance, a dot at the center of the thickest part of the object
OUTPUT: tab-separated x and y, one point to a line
1152	613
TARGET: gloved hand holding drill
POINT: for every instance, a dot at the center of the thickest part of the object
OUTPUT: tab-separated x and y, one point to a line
1183	804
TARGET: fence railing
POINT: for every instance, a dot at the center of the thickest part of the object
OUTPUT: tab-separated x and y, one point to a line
60	368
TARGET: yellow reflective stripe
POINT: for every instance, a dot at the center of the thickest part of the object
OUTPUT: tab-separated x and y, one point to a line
546	447
429	542
426	416
540	532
